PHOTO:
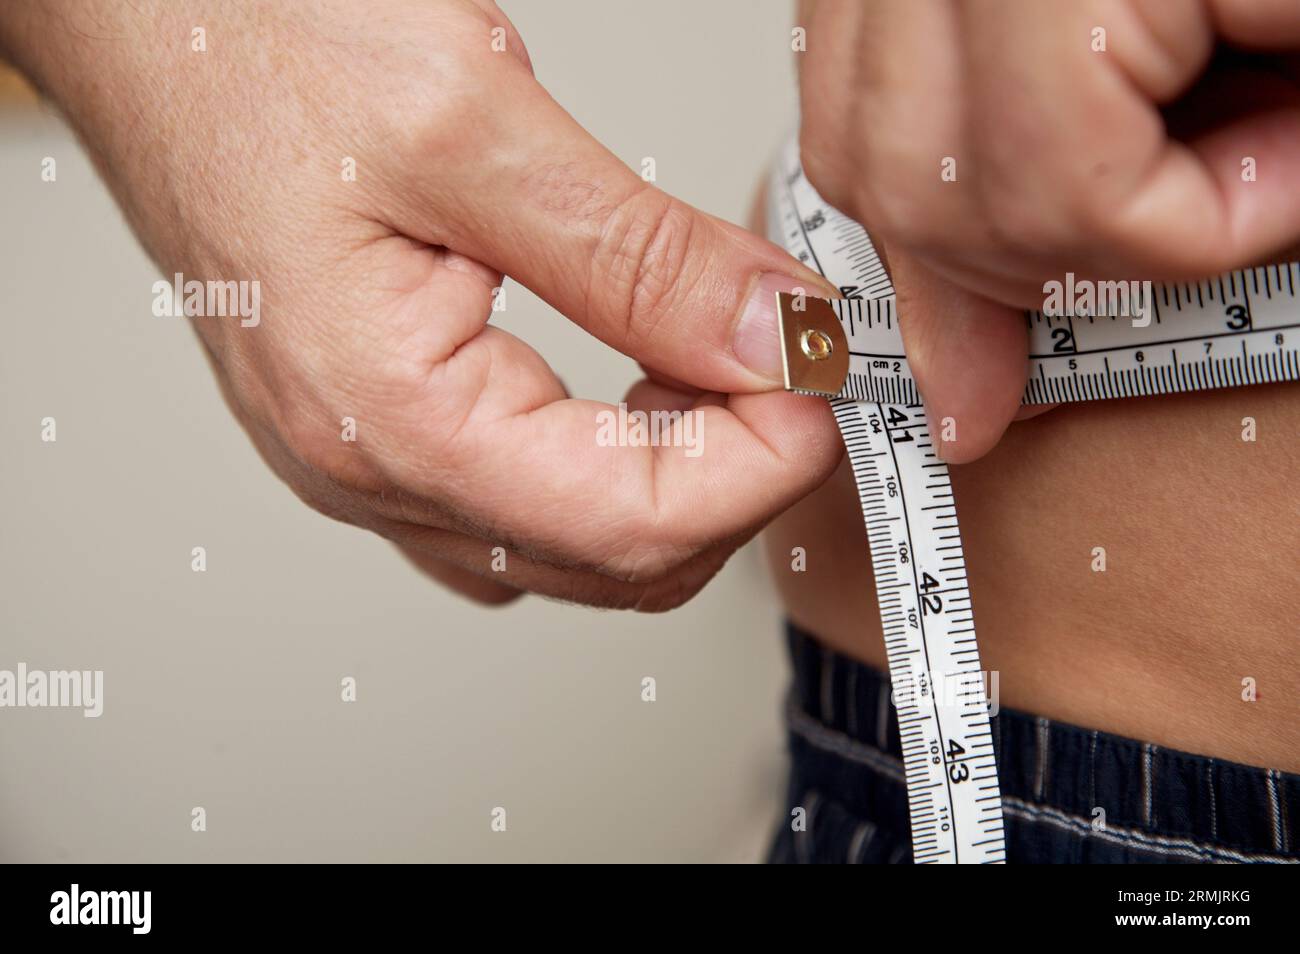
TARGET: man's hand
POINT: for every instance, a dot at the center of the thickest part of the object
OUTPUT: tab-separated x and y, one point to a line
376	292
1112	154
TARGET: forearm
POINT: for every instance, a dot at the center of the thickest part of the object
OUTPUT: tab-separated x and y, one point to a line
175	121
112	69
74	49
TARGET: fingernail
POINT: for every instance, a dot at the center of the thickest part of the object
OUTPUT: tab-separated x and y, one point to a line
758	337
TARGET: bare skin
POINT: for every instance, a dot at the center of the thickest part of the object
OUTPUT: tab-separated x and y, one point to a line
1202	548
1122	162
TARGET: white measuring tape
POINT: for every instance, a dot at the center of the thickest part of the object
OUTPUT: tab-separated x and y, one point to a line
1241	328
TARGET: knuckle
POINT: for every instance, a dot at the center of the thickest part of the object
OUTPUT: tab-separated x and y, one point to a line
669	595
568	188
1034	215
906	220
1016	226
657	597
642	261
644	566
672	589
416	120
816	157
325	503
483	596
894	206
869	192
1250	21
319	442
647	556
1027	218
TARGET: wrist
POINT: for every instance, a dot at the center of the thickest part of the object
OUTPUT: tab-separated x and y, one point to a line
90	58
46	40
24	24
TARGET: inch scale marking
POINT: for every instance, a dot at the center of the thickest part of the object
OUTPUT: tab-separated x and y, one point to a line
1242	328
929	634
916	555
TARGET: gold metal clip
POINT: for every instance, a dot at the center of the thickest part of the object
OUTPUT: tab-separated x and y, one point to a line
814	350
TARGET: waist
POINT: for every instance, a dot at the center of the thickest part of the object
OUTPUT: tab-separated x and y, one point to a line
1132	568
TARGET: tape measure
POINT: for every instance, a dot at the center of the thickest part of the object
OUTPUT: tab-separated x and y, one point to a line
1238	329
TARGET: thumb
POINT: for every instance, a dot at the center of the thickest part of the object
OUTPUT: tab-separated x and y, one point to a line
969	356
678	290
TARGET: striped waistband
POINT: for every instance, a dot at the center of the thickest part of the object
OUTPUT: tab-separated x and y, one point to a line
1205	808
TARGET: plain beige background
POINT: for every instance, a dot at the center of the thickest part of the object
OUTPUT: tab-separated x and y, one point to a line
222	689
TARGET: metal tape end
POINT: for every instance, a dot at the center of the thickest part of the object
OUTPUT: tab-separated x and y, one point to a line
814	349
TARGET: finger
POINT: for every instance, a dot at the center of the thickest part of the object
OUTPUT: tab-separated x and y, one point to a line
1068	125
882	103
968	355
1262	24
465	582
542	201
631	505
1028	411
1083	163
481	439
477	558
514	43
651	395
668	381
1251	151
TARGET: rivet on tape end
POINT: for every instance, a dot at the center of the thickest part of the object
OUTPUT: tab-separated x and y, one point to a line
814	350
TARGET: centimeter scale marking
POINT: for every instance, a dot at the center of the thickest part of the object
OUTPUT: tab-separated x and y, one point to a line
1213	340
1241	328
